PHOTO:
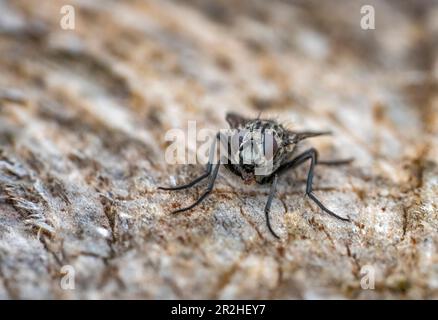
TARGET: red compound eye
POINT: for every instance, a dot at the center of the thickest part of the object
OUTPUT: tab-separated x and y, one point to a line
269	144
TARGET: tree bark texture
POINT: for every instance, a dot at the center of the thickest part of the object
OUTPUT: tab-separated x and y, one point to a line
83	118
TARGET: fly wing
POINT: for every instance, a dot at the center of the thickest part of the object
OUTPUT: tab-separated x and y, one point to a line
235	121
297	136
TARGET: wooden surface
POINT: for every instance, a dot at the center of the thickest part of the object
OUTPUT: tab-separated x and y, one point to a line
83	117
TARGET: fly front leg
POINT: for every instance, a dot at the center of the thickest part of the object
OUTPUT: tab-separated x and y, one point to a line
339	162
207	173
206	192
311	155
269	202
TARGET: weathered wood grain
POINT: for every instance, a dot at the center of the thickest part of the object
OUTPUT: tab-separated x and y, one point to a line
83	117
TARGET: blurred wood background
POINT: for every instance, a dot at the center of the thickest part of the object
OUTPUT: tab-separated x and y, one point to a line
83	117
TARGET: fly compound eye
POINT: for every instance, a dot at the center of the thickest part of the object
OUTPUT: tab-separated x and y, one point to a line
270	145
